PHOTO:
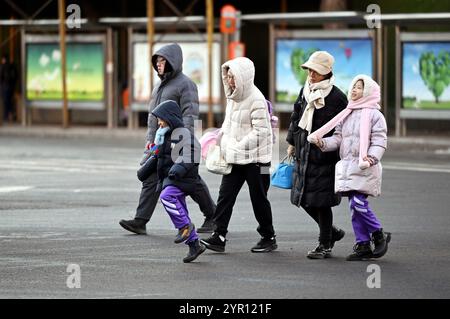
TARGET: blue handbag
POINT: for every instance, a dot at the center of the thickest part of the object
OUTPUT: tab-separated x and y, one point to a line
282	177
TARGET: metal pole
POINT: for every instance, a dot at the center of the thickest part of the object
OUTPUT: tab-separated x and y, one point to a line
132	116
210	29
109	72
272	62
26	113
150	36
384	70
398	79
1	102
62	46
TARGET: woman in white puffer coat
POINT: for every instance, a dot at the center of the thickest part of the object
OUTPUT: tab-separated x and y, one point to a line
361	137
246	143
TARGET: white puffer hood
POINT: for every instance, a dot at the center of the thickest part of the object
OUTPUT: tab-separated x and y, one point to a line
243	70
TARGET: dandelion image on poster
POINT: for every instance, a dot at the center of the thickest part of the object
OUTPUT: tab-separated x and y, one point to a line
85	76
426	75
352	57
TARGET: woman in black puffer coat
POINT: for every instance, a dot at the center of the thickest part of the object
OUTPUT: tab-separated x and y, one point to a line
313	180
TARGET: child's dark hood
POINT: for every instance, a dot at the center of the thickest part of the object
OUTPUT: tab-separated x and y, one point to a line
170	112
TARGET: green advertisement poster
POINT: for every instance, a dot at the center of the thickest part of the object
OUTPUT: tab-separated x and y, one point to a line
85	71
426	75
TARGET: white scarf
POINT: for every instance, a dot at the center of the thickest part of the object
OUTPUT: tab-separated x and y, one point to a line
315	94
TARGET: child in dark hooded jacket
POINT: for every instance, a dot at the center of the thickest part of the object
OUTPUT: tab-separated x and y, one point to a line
176	163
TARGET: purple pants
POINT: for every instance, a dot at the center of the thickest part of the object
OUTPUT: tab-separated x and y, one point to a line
174	202
364	220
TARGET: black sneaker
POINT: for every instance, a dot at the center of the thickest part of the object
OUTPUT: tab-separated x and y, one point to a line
380	240
216	242
320	252
265	245
361	251
136	225
336	235
207	227
195	250
184	233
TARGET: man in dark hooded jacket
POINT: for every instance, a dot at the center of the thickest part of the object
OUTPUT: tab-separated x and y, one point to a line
175	86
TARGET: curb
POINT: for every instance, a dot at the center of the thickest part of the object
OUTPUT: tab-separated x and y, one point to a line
424	141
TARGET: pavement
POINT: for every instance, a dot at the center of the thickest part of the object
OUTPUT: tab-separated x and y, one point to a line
63	192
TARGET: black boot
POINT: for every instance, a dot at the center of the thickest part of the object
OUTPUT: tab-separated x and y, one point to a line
208	226
380	240
361	251
195	249
136	225
336	235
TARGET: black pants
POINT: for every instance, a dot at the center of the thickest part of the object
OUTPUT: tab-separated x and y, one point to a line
258	185
149	198
324	218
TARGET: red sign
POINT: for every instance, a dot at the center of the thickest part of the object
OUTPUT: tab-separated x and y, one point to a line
236	49
228	19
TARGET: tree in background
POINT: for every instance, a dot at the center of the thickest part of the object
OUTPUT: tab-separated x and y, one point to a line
298	57
435	72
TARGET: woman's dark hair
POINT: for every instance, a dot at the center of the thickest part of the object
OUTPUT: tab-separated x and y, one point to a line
328	76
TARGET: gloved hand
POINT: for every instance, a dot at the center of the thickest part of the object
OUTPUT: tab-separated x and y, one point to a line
145	157
174	174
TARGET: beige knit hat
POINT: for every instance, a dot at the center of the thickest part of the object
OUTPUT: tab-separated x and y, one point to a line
320	61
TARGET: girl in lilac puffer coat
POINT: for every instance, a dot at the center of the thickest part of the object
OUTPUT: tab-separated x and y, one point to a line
361	137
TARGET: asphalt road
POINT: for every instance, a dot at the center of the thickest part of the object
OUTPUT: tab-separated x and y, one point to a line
61	200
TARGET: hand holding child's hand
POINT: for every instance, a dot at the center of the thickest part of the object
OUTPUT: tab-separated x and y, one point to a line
371	160
319	142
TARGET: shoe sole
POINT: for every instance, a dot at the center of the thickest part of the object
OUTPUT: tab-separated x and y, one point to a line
319	256
182	239
264	250
131	229
201	251
216	248
365	258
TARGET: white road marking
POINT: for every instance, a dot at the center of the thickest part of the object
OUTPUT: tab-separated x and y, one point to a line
11	189
403	166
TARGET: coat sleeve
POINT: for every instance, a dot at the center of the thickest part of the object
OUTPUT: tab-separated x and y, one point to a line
152	122
378	136
188	155
333	142
225	129
189	104
295	118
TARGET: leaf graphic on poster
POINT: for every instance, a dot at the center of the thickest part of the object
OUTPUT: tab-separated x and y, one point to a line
435	72
298	57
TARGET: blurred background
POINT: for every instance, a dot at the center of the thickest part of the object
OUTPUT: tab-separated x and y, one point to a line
86	63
